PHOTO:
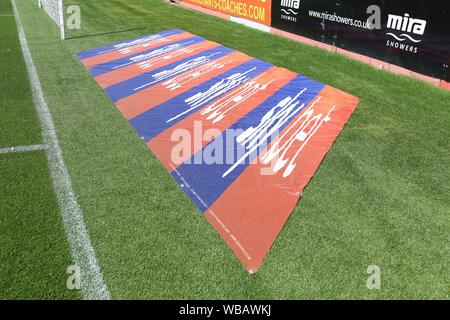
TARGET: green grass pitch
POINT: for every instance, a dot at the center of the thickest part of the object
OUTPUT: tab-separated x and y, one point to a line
33	248
380	197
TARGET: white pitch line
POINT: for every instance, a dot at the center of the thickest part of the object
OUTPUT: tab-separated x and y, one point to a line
92	283
17	149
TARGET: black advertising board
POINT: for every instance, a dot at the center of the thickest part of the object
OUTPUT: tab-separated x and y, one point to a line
414	34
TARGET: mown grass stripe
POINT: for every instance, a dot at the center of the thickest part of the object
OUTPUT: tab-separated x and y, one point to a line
92	283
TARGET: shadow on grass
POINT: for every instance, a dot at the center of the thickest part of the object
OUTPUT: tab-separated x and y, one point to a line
103	33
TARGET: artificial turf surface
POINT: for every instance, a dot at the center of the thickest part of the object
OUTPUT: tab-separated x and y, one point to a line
380	197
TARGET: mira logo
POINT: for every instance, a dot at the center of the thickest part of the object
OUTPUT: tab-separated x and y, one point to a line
408	29
406	24
294	4
289	9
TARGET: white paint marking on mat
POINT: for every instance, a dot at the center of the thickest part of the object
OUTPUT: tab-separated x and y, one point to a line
34	147
186	184
238	244
92	283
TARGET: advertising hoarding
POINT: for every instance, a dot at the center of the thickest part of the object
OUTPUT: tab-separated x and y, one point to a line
413	34
254	10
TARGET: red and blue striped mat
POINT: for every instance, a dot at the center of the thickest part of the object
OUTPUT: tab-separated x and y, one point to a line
240	136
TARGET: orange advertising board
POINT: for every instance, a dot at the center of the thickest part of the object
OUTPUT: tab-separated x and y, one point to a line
253	10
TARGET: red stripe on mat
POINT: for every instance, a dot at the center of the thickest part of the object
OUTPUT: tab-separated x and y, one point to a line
163	145
253	210
151	97
120	53
134	70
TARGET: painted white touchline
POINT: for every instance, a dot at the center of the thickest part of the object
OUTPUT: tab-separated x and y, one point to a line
92	283
34	147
